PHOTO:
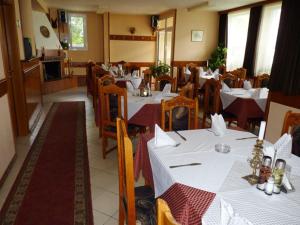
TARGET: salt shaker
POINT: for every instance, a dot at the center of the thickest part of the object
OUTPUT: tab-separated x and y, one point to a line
278	174
269	186
264	172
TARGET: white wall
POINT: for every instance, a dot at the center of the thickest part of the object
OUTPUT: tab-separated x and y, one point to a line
7	146
52	42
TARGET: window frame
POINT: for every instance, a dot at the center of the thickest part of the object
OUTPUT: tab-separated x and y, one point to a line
85	35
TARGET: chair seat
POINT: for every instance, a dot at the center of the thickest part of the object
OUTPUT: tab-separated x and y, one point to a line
145	205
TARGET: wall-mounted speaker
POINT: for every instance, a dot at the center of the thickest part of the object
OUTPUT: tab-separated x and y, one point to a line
62	16
154	21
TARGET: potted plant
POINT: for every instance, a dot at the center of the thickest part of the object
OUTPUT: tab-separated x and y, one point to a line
160	69
218	58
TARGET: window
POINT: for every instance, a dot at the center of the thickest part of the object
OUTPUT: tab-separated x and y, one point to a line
164	37
267	38
78	34
237	36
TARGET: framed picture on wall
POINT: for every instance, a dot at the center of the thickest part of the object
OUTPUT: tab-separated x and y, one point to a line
197	35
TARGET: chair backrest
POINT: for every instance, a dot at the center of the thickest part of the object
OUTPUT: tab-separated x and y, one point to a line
164	215
129	67
240	73
89	77
290	121
105	80
187	90
212	101
113	105
181	111
194	79
126	175
161	81
261	80
229	79
291	125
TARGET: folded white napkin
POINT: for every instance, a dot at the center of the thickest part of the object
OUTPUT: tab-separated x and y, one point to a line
167	89
247	85
256	93
161	138
216	73
218	125
135	73
104	67
263	93
225	87
187	71
136	81
129	87
283	146
228	217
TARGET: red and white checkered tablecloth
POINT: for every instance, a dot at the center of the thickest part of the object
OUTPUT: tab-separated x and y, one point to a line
187	204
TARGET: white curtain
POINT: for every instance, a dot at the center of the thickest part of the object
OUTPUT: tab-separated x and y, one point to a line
237	36
267	38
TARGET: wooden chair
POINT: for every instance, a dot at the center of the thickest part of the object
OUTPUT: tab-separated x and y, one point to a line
111	108
131	199
187	90
103	81
97	72
161	81
178	113
291	125
212	102
148	77
229	79
240	73
164	215
290	120
194	79
89	78
261	81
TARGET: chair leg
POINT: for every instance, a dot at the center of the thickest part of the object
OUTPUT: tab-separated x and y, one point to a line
121	215
104	145
204	121
100	130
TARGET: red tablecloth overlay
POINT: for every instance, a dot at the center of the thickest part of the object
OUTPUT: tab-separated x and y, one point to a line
244	109
187	204
142	161
148	116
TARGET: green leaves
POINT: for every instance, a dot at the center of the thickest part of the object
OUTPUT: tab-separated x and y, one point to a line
218	58
160	69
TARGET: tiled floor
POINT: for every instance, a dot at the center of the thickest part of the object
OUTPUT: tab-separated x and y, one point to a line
104	173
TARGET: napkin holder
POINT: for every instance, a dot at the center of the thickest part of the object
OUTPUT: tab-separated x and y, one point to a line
255	162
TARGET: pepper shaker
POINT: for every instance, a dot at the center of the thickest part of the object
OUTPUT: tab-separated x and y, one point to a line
278	175
264	173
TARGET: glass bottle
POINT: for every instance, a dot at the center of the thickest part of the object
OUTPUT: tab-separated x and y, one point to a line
278	174
264	173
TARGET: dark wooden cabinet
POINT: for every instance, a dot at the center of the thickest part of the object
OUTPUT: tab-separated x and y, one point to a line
33	90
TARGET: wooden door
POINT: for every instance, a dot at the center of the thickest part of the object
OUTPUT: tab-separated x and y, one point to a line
12	67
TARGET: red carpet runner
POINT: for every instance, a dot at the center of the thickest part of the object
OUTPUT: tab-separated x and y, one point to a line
53	186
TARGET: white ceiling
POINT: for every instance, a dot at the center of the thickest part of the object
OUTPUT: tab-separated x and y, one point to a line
143	6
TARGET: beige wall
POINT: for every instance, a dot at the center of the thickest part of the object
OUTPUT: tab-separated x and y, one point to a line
106	37
27	22
131	51
95	43
275	120
185	49
7	148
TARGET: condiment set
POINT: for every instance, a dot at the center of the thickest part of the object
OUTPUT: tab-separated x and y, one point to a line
271	181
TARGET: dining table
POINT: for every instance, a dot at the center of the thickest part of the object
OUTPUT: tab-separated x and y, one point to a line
193	178
146	111
244	104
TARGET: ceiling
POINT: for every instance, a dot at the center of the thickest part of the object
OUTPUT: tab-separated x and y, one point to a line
144	6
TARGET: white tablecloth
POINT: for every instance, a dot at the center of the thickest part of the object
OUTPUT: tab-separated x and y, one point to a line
221	173
228	97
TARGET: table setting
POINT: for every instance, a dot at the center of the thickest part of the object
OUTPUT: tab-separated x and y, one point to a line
196	162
